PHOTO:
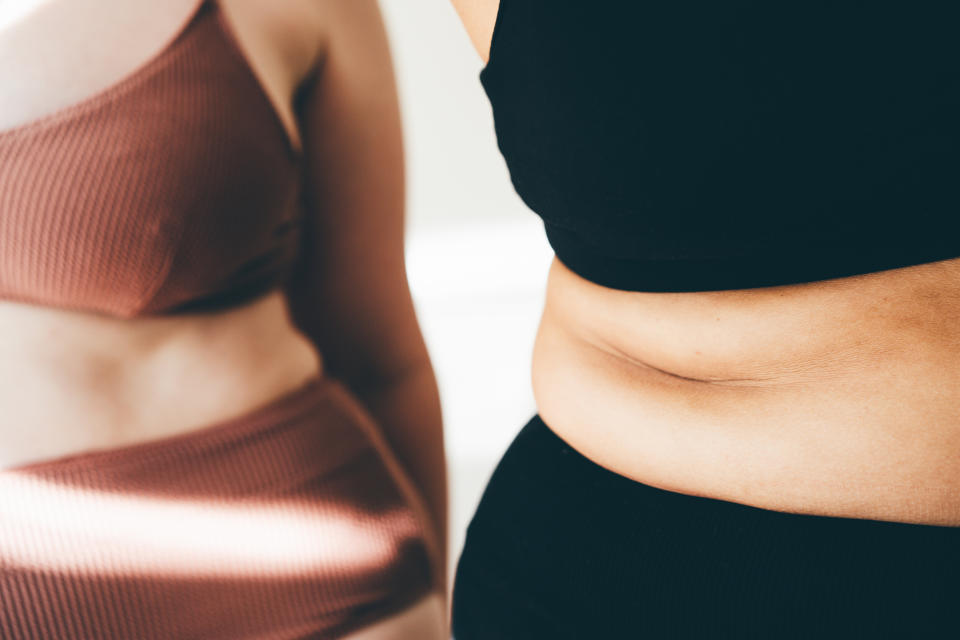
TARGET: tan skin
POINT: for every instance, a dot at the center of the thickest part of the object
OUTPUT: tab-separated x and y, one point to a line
834	398
74	381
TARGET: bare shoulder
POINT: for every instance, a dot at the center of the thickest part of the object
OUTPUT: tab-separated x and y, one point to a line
55	52
65	29
479	17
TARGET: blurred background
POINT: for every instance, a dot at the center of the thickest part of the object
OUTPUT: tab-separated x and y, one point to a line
476	256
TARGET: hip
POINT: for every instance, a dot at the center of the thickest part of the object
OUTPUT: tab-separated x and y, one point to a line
563	548
291	520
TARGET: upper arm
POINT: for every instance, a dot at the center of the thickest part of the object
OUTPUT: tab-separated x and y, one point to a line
350	293
479	17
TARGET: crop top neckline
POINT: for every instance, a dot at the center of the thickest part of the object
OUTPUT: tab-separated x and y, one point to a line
673	147
144	70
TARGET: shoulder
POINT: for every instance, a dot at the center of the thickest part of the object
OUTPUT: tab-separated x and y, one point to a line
53	53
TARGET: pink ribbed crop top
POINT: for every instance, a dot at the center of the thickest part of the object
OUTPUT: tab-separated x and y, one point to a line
177	188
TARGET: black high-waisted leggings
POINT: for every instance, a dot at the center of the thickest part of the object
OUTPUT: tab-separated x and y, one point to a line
562	548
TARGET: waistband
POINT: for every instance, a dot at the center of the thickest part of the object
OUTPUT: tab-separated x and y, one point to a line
291	520
543	454
564	543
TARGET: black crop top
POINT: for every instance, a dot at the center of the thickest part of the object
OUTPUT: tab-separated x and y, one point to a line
685	145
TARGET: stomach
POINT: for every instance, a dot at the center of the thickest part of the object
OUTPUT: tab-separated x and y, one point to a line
72	382
835	398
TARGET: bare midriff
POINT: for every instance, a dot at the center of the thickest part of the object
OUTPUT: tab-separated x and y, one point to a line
837	398
72	382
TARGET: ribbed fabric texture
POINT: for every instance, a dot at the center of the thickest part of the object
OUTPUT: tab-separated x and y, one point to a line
293	521
563	549
175	188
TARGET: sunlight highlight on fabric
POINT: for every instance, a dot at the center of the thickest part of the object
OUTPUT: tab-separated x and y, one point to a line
278	524
55	528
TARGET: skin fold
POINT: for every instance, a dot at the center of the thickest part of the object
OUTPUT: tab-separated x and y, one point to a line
834	398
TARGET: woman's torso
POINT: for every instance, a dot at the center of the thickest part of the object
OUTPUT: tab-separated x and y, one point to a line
833	397
76	381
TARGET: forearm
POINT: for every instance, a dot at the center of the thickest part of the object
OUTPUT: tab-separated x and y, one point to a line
350	295
406	406
379	354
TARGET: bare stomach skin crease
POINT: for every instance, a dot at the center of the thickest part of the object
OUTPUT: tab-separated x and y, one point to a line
834	398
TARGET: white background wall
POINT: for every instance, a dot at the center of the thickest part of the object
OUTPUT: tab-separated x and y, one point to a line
477	258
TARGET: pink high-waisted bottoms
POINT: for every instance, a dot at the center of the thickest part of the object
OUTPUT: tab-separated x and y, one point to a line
292	521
